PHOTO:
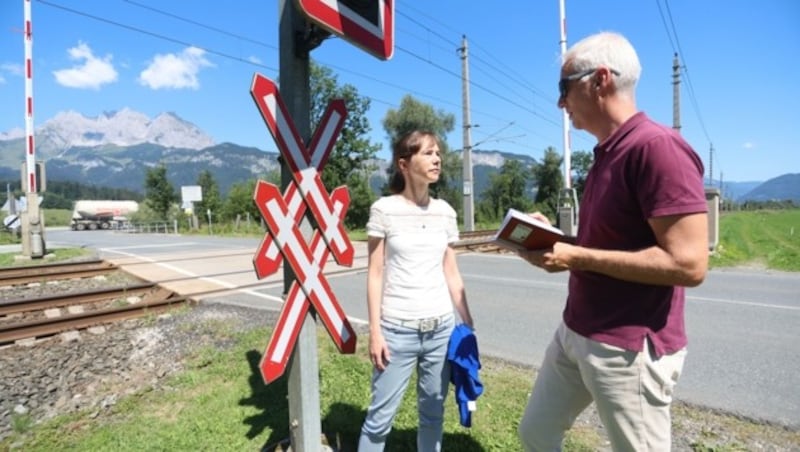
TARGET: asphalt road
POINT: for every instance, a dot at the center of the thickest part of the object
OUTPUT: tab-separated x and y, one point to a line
743	325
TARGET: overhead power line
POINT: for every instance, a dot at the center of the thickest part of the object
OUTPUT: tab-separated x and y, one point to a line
155	35
435	39
672	31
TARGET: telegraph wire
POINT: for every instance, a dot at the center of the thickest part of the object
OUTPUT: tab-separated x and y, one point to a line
676	47
206	26
518	79
263	44
156	35
686	71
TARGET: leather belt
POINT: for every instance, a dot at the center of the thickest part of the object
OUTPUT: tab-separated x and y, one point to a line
421	325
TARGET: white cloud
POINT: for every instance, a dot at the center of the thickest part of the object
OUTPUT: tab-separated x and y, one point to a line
749	145
2	80
91	72
175	71
254	59
12	68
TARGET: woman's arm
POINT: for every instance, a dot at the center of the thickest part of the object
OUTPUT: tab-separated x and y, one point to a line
456	286
378	351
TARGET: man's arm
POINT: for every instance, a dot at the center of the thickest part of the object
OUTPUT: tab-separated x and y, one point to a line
680	257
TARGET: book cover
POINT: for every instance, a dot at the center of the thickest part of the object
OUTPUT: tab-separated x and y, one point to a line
520	231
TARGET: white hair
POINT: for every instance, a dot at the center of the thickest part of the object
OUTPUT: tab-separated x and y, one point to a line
611	50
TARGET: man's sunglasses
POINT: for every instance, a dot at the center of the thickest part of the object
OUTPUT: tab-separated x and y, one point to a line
563	84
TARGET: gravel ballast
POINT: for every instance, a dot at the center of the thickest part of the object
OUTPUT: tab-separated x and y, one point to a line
94	369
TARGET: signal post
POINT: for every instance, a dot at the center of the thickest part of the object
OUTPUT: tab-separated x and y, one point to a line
305	221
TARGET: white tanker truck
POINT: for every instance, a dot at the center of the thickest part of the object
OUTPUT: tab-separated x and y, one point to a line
93	215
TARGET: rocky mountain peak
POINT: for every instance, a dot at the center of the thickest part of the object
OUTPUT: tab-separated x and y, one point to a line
125	127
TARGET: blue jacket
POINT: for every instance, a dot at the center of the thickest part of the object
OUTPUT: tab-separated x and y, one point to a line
462	353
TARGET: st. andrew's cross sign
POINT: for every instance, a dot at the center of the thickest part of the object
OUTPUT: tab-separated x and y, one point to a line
283	213
369	24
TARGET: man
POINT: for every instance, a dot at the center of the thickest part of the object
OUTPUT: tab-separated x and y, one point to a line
642	238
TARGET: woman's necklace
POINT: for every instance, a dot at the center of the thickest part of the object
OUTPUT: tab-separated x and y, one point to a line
421	206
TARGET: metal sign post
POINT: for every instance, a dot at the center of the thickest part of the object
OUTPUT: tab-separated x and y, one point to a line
306	290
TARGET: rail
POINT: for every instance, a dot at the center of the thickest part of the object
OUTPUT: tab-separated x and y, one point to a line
49	326
23	275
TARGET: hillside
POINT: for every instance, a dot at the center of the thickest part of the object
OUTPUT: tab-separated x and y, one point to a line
781	188
115	149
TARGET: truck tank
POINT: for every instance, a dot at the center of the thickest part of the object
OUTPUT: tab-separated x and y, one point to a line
101	214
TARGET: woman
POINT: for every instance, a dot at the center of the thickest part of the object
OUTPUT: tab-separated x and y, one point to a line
413	284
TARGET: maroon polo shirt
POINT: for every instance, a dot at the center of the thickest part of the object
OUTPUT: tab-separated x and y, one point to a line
643	170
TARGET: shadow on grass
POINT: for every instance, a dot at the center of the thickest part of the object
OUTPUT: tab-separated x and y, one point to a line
341	426
345	422
271	402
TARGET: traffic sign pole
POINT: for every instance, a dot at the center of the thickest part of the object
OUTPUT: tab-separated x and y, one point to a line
304	418
290	237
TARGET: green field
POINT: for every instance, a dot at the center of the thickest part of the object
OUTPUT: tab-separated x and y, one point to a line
764	239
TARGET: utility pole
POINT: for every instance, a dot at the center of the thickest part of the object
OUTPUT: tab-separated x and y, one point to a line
469	203
568	198
711	166
676	94
32	221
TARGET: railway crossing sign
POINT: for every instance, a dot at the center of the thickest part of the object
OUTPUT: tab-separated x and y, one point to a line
368	24
283	213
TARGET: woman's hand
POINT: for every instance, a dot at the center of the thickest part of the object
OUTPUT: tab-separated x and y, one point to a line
378	351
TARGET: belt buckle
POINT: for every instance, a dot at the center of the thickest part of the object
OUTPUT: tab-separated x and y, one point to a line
428	325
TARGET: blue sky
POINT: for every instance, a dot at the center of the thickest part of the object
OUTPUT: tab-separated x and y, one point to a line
740	88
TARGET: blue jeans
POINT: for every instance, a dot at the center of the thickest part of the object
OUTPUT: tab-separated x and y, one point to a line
410	349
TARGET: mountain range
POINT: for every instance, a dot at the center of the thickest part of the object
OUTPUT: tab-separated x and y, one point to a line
115	149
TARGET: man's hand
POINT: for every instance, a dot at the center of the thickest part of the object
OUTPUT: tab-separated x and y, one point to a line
553	260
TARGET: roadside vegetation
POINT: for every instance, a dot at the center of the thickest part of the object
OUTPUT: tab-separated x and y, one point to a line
219	402
55	255
762	239
220	399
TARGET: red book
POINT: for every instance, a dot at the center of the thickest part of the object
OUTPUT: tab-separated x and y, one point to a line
520	231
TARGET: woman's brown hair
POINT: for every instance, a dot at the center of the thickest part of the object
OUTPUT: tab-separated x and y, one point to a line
405	147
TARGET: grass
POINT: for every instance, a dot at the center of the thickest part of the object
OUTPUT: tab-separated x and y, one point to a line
219	402
769	238
54	255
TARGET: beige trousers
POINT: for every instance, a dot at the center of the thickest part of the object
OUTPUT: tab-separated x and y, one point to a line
632	392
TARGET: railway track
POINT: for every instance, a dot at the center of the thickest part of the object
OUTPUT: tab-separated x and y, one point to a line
480	241
12	276
49	326
29	317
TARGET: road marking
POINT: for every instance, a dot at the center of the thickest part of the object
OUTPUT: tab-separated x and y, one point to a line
202	278
744	303
136	247
234	287
514	280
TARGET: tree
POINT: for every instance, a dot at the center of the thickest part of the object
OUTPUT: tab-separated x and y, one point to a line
416	115
211	198
348	161
239	202
550	182
506	189
159	193
581	164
